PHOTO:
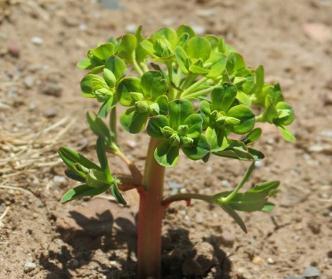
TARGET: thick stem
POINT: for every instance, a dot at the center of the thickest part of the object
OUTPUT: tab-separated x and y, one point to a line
151	213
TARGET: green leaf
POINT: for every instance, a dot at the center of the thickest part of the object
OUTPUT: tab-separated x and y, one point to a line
235	216
179	110
82	190
85	63
259	78
117	66
184	29
75	175
75	157
134	121
109	77
234	63
126	88
182	59
155	125
102	52
91	82
198	48
106	107
153	84
252	136
127	45
117	194
217	68
198	150
101	153
285	114
168	34
287	134
98	126
245	115
222	97
166	154
195	125
243	98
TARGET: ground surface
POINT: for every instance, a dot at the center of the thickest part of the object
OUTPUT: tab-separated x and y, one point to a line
41	109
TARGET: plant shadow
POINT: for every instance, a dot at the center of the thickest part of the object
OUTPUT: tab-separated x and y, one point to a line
115	238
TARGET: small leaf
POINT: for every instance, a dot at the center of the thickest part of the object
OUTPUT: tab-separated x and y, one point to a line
134	121
195	124
198	150
85	63
179	110
252	136
166	154
222	97
235	216
91	82
287	134
102	52
155	125
198	48
82	190
73	156
117	66
125	89
182	59
245	115
117	194
109	77
153	84
98	126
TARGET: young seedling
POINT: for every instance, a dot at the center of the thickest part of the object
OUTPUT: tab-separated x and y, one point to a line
190	94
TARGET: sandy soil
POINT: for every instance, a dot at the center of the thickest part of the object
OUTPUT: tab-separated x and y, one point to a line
41	110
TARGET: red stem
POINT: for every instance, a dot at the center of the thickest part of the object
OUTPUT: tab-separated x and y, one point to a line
150	215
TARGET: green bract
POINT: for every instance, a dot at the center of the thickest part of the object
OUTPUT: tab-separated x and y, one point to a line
192	94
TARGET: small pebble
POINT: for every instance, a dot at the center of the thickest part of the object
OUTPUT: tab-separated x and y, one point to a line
50	113
199	30
59	181
37	41
29	81
131	28
29	266
52	89
311	272
270	261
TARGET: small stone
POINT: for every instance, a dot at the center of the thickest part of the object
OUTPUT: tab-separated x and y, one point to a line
50	113
294	277
311	272
270	261
257	260
29	266
227	239
314	227
52	88
132	144
59	181
131	27
225	183
14	50
174	186
37	41
110	4
199	30
29	82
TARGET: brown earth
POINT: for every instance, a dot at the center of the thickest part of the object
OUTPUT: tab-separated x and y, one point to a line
41	109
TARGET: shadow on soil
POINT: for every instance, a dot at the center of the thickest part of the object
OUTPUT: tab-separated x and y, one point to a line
117	241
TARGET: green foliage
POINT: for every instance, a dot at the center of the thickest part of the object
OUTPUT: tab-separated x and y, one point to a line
193	93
